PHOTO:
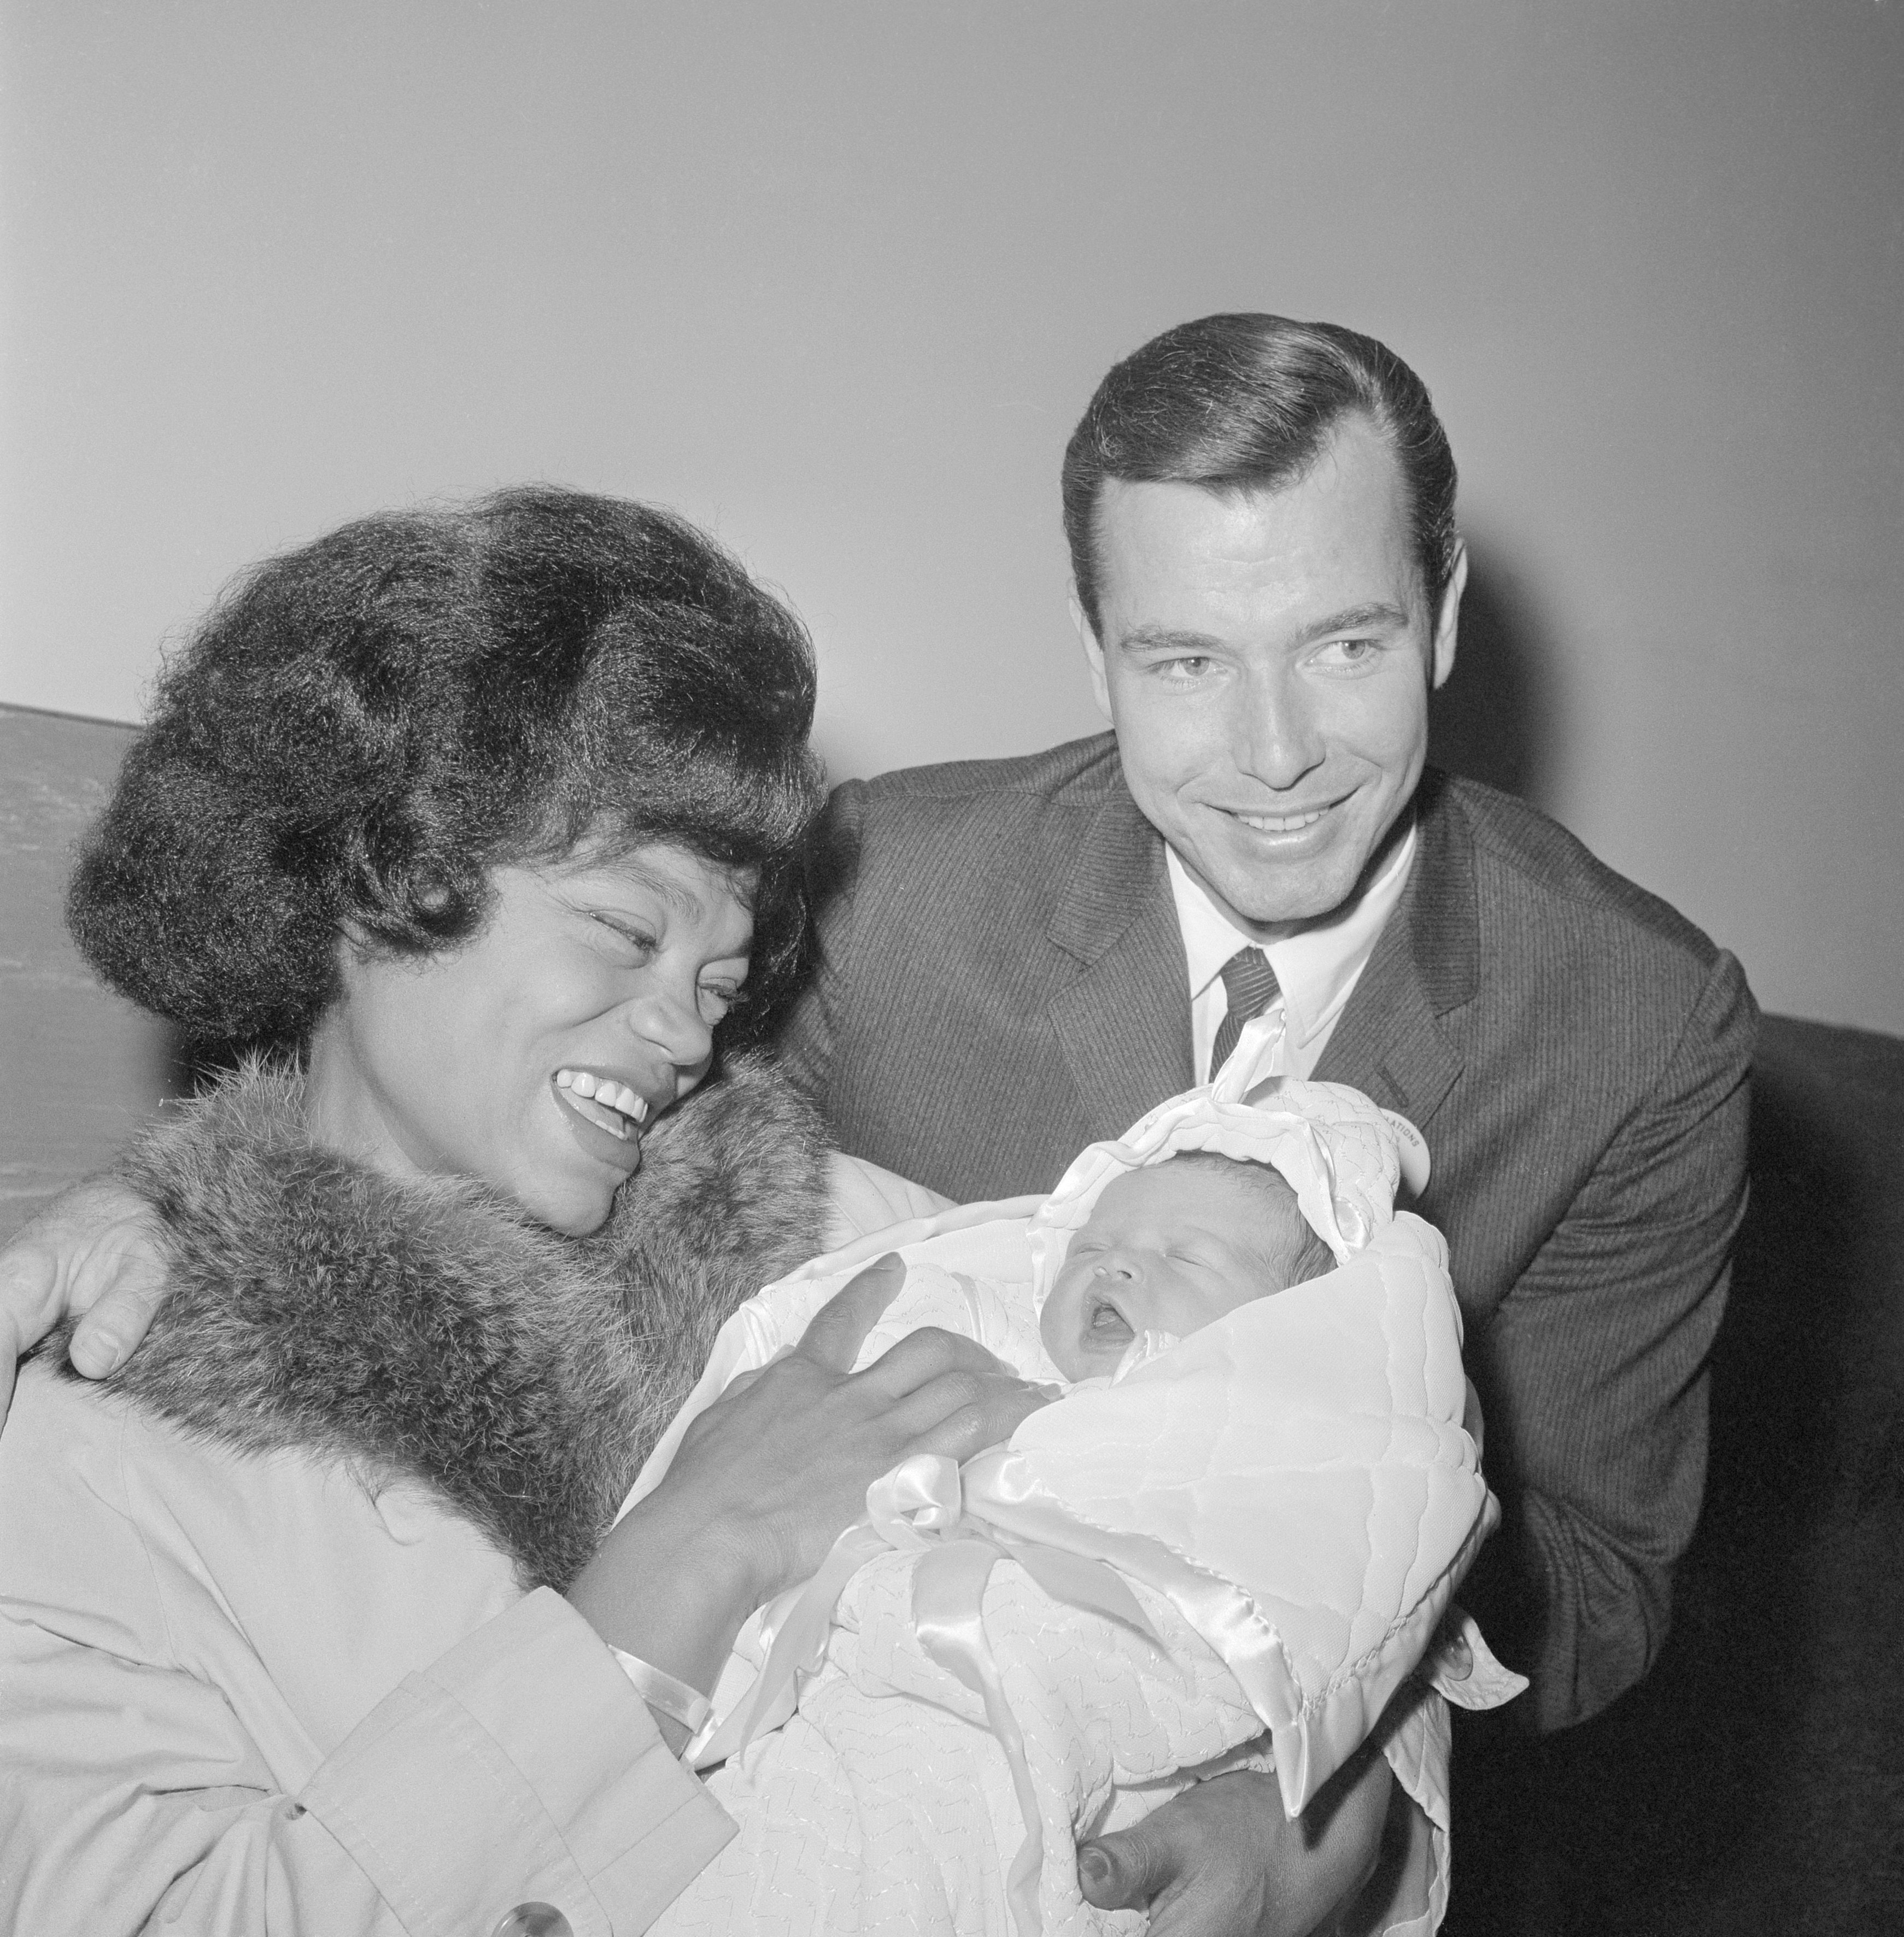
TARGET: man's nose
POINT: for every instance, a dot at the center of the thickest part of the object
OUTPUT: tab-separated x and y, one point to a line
1277	738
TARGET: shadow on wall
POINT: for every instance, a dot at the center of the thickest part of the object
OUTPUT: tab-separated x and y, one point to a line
1497	718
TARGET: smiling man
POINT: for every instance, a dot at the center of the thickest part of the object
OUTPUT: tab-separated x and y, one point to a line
1019	957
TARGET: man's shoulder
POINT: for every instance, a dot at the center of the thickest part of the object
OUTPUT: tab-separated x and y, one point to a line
1079	775
1525	860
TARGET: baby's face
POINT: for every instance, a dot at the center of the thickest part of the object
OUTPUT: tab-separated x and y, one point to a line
1171	1248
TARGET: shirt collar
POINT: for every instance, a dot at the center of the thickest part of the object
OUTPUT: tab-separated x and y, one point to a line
1315	962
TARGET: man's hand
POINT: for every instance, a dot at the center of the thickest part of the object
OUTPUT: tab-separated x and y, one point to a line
92	1254
1223	1860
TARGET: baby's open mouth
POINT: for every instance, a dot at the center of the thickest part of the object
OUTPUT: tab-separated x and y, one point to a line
603	1100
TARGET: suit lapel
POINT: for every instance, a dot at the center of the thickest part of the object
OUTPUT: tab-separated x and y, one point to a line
1123	1026
1391	1042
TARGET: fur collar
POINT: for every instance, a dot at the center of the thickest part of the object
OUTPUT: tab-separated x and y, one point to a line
423	1328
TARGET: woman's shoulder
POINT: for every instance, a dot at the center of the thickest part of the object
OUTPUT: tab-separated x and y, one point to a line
122	1532
73	1551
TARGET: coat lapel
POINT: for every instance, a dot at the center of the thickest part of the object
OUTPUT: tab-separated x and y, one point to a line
1391	1042
1123	1026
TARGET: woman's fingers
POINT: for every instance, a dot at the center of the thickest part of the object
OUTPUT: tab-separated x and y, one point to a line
774	1469
923	1356
961	1412
839	1328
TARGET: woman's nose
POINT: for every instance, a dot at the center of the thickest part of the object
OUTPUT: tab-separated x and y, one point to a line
671	1020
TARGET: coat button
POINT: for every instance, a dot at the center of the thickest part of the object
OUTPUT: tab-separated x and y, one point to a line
534	1920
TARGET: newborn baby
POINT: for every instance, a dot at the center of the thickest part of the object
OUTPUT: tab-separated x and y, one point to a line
1171	1249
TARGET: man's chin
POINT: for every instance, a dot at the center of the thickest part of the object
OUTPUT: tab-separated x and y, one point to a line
1257	898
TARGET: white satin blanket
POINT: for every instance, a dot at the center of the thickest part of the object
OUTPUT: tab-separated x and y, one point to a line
1235	1553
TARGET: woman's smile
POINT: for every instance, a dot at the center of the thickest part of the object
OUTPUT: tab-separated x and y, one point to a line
602	1100
605	1116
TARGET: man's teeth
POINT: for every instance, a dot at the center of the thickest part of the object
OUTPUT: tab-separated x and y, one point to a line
611	1099
1281	823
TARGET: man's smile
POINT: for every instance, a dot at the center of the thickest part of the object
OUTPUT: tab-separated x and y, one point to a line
1282	822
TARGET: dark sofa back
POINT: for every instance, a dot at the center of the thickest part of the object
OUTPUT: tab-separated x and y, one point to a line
1754	1782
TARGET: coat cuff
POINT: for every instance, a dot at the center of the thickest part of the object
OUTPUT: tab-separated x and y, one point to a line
521	1767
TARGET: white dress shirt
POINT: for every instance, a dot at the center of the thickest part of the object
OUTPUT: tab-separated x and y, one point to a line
1317	963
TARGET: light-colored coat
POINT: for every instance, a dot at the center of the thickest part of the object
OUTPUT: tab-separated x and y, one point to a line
279	1647
241	1692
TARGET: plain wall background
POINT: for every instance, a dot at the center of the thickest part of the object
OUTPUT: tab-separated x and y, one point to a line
836	280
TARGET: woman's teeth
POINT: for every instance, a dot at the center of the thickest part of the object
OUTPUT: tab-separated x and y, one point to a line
603	1100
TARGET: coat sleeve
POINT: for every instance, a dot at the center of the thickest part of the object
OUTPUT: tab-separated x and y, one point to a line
1595	1365
518	1768
808	1040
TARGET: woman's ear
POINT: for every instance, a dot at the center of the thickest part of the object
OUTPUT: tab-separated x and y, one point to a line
349	951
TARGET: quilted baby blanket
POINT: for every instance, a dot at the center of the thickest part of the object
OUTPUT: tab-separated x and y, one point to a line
1236	1553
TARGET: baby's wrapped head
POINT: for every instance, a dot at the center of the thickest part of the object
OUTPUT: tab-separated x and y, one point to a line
1171	1247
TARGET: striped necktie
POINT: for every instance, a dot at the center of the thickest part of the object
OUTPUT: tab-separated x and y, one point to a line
1251	983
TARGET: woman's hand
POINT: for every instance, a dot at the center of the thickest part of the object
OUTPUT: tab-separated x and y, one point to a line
768	1477
933	1392
92	1254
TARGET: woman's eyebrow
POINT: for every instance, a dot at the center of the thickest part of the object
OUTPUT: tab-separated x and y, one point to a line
672	894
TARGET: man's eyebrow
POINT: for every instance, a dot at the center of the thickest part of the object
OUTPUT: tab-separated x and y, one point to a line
1377	613
1162	638
1356	619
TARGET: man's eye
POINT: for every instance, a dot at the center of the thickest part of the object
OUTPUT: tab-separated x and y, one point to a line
1190	665
1349	652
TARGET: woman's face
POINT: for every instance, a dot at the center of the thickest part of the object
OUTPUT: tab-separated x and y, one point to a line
534	1055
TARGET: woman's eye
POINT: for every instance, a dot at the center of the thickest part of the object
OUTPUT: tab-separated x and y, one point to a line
717	998
630	944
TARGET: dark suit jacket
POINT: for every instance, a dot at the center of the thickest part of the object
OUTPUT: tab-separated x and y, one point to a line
1001	981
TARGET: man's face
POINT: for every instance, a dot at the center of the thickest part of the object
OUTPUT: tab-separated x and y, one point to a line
1266	660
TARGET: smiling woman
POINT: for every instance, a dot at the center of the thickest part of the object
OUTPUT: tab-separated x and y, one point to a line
478	833
595	988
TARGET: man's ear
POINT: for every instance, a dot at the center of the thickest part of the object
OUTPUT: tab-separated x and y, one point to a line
1093	656
1448	620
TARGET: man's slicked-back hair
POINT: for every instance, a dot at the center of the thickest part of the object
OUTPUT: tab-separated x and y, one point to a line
363	730
1244	403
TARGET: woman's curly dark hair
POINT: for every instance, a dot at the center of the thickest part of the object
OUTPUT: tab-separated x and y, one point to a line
362	729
